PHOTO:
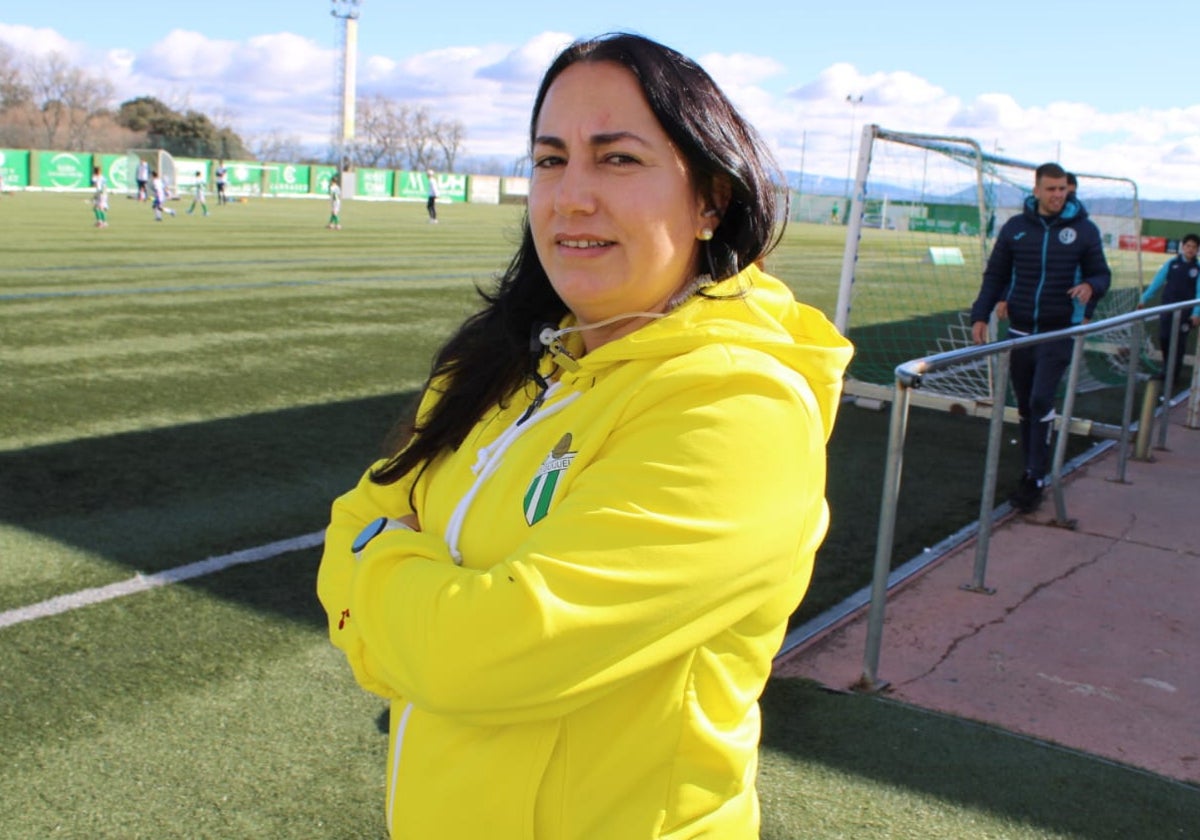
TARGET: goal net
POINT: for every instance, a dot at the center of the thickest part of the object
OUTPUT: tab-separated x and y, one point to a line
920	227
158	161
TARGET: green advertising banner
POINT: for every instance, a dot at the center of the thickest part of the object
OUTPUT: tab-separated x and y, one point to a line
962	219
190	170
415	186
14	168
64	170
320	178
115	169
451	187
411	185
243	178
374	183
288	179
919	225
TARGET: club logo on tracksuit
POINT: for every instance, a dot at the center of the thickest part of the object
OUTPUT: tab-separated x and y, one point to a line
1066	236
541	489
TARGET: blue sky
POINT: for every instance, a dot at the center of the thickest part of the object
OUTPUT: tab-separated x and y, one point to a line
1098	84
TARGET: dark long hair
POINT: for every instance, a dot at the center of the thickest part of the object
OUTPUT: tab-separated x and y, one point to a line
489	357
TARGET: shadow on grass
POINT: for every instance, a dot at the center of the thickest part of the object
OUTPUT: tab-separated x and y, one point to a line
1020	781
163	498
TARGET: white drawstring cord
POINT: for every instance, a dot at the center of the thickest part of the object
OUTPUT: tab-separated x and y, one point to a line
488	461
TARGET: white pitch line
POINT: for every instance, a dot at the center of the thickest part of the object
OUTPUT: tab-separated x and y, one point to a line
144	583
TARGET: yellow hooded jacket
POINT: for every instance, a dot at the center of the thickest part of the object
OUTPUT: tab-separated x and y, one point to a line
575	642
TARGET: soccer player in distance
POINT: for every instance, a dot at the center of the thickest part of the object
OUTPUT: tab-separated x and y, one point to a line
99	197
335	203
199	194
158	190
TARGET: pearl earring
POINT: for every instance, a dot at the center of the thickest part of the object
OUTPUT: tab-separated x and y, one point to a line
705	234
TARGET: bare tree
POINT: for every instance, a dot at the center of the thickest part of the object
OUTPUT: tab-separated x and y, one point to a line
67	100
381	124
395	135
449	136
277	147
419	140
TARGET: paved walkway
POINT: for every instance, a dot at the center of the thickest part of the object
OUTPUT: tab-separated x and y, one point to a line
1092	637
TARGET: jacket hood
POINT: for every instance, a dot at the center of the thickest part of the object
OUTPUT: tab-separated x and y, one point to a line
1073	211
751	309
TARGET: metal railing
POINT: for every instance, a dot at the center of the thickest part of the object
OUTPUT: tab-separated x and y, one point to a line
909	376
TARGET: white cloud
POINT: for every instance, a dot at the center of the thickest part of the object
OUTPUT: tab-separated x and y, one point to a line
184	55
283	62
738	70
525	64
993	110
1186	151
26	39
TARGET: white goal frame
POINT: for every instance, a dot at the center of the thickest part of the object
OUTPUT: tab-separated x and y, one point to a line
962	390
160	161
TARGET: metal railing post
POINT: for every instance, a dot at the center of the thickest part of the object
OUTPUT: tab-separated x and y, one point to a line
1060	442
897	430
1169	376
988	501
1131	368
1193	411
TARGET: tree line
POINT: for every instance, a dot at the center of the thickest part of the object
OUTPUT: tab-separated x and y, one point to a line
47	103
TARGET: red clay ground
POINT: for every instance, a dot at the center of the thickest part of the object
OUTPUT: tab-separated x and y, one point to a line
1092	638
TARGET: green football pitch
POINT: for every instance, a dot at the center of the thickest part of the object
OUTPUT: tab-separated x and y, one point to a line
181	402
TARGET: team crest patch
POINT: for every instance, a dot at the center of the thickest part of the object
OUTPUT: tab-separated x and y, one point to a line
1066	236
541	489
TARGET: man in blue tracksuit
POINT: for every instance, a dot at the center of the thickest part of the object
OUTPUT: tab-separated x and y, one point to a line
1179	280
1048	267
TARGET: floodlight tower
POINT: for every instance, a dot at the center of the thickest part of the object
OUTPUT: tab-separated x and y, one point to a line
347	12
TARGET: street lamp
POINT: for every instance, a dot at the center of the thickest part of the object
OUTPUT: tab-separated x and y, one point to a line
854	101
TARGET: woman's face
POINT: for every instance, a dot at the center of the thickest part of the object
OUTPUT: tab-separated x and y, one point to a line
612	208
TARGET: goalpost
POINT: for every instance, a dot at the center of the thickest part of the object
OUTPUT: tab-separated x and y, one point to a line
921	224
159	161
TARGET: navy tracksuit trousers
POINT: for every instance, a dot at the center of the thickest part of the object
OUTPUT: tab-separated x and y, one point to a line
1036	372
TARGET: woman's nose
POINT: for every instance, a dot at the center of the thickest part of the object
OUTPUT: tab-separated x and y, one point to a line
576	189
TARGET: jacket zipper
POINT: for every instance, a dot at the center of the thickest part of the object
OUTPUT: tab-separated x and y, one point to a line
488	461
400	729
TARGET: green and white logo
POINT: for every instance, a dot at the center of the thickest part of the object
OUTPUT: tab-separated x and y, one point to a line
65	170
541	489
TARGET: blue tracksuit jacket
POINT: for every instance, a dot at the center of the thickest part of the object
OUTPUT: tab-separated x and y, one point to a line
1034	263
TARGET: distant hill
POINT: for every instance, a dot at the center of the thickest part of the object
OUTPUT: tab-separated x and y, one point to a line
1176	211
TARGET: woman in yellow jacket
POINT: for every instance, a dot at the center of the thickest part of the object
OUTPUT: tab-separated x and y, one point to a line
571	582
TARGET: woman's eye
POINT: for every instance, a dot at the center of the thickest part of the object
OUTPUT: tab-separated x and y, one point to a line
547	161
620	159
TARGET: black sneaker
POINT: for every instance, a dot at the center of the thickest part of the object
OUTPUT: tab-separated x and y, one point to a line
1027	496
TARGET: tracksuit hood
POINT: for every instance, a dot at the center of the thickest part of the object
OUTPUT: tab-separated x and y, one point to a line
1073	211
752	309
